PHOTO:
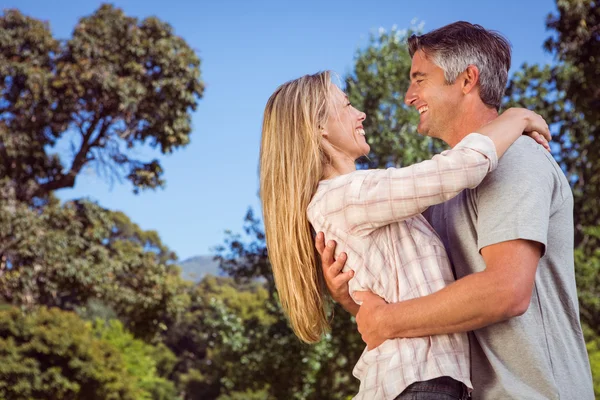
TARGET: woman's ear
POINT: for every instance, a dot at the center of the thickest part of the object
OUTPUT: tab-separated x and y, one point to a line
470	78
322	132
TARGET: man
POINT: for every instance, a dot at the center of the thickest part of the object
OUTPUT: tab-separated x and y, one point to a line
510	239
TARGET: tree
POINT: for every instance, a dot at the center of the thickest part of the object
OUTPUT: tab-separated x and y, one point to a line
118	84
140	360
212	338
68	255
322	371
52	354
246	261
593	348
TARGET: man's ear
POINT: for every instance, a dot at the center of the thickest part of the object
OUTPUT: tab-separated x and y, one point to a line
469	79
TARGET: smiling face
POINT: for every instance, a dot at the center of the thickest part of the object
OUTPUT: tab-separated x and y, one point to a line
437	102
344	130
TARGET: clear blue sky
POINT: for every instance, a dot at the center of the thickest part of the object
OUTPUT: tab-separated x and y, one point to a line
247	49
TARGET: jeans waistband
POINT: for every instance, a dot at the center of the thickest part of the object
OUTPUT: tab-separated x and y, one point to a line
442	385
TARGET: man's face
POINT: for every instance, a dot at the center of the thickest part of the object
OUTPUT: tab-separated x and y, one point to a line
436	102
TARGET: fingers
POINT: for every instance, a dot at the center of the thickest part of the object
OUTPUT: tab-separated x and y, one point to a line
327	256
361	295
545	131
542	128
338	286
343	278
338	264
539	124
320	243
538	137
332	273
546	144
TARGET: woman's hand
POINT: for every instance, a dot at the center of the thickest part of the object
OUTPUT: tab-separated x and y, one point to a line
335	279
535	126
539	138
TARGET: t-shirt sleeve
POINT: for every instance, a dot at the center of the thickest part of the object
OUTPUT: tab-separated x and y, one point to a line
514	201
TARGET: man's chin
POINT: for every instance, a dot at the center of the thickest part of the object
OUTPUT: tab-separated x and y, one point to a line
422	131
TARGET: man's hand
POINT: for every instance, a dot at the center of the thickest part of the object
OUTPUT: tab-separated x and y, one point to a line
370	318
336	280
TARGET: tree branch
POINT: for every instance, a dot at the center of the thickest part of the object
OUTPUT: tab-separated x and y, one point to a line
81	158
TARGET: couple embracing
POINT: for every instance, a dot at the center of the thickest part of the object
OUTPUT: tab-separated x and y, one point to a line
459	269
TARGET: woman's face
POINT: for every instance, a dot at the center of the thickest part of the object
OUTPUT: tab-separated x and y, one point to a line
344	129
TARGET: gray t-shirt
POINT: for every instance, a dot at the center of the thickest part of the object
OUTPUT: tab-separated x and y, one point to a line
540	354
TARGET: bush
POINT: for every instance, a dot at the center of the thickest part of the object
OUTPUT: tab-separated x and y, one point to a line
140	359
53	354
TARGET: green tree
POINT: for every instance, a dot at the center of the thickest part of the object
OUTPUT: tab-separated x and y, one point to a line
68	255
235	342
116	85
322	371
212	337
52	354
140	360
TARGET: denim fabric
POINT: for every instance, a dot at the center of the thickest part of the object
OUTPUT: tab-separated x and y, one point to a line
443	388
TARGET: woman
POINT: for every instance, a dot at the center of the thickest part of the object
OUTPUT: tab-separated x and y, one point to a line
311	137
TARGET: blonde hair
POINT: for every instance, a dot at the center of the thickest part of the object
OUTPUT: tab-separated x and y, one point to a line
291	165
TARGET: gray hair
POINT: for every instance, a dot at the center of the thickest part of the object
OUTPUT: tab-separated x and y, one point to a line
456	46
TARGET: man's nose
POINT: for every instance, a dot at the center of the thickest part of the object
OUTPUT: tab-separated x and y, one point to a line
410	96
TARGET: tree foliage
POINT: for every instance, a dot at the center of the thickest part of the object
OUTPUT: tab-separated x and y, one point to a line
51	354
270	350
141	360
116	85
66	255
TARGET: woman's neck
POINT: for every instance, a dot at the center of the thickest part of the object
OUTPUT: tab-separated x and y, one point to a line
338	167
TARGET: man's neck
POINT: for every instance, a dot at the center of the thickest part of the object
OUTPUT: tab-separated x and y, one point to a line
468	123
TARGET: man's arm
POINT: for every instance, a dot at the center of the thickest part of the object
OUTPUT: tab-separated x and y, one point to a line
503	290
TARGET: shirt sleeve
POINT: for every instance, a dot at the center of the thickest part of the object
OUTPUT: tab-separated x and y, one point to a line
514	202
368	200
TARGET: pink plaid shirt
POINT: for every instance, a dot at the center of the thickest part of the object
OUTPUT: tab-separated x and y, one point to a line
375	217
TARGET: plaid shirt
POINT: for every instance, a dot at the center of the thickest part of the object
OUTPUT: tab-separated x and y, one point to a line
375	217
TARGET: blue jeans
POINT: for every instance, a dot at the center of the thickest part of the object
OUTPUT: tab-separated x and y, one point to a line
443	388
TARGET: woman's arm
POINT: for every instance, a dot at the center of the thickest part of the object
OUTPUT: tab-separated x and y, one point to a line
366	200
511	124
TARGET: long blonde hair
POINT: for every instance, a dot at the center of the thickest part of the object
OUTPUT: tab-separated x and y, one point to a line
291	165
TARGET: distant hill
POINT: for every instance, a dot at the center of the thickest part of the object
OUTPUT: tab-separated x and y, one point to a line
195	268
